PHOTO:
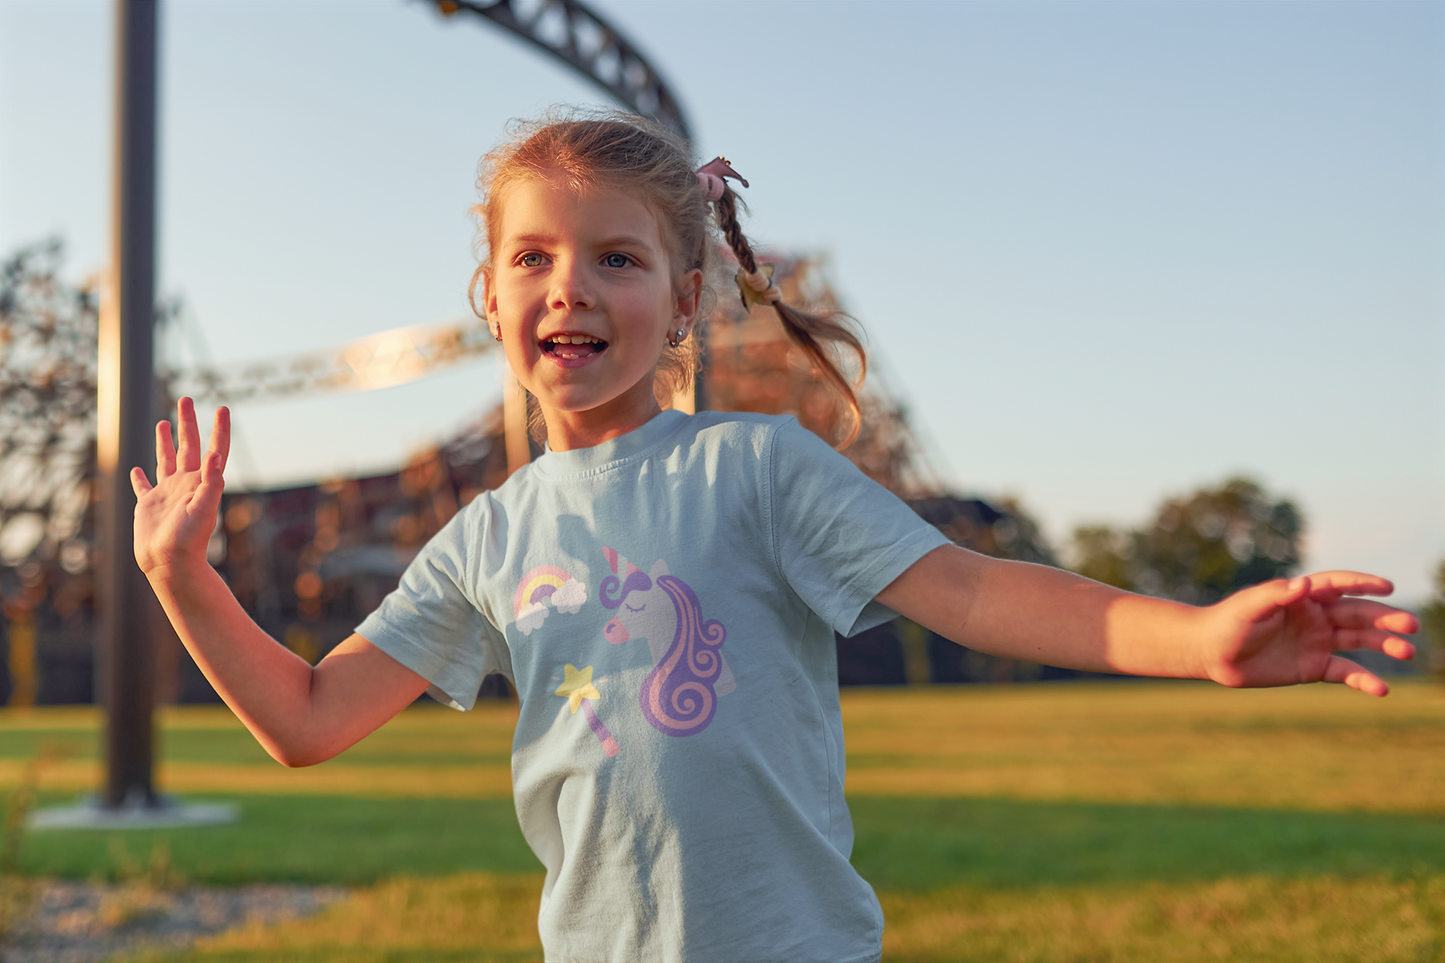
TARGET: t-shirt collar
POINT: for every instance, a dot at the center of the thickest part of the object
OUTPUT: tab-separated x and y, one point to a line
609	452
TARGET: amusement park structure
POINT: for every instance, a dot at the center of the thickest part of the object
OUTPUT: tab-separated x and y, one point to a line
78	398
570	32
125	373
309	561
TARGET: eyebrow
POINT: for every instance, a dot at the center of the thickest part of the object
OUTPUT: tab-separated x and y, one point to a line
621	240
624	240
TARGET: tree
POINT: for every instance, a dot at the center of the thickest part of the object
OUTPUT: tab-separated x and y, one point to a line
47	462
1105	555
1432	623
1198	548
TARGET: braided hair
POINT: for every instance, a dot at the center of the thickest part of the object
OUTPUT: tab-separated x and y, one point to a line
813	332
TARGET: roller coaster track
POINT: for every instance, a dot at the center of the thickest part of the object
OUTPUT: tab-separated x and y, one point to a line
375	361
565	30
570	32
47	360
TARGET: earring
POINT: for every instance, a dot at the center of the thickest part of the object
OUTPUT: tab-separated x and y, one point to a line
497	333
675	338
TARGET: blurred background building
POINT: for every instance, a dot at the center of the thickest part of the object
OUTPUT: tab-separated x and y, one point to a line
309	562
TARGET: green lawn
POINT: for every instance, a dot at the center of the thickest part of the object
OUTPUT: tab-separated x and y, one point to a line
920	845
1099	821
304	839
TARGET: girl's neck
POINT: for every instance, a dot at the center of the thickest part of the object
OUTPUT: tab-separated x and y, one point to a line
567	430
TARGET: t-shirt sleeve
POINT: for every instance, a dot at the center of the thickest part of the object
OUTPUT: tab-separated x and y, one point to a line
432	623
839	538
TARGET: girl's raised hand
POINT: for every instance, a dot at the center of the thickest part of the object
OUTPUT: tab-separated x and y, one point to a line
1287	631
174	518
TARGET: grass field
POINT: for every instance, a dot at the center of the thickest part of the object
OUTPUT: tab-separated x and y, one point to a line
1099	821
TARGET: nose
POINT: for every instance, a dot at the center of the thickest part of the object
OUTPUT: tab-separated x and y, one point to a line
571	286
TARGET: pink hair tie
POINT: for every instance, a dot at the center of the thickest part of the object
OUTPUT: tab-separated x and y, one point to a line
710	178
712	187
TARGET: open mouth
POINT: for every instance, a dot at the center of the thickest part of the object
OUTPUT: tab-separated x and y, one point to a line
573	347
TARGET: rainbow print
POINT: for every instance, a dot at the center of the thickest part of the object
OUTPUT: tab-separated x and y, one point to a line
544	588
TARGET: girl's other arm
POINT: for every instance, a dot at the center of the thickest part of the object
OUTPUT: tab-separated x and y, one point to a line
300	714
1276	633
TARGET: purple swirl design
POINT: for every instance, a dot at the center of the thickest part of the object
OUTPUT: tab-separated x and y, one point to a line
637	581
677	697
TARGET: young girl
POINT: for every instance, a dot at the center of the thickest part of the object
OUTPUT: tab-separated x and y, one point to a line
663	589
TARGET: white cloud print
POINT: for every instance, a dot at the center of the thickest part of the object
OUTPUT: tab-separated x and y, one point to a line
570	597
531	617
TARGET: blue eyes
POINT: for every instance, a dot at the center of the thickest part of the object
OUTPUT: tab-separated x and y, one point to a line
614	260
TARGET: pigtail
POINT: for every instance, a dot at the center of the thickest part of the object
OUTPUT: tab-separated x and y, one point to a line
814	333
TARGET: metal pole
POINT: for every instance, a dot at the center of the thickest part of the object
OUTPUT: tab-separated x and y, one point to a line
124	408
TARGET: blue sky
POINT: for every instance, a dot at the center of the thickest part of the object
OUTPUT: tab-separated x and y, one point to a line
1107	252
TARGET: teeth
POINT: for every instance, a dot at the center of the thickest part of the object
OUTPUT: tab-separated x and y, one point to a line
574	339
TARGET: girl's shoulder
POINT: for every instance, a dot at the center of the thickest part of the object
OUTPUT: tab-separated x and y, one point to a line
749	428
775	451
741	424
770	436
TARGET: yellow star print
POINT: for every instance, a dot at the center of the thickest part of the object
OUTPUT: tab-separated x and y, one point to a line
578	686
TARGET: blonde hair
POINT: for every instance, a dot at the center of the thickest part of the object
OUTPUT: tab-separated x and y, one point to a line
612	149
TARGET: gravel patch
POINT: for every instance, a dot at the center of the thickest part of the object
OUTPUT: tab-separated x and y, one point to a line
71	922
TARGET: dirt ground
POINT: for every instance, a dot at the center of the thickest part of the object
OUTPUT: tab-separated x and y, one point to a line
73	922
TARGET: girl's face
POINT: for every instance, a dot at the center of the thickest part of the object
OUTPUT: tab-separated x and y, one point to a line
583	294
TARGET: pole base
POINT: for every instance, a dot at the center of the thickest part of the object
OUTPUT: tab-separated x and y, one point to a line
163	813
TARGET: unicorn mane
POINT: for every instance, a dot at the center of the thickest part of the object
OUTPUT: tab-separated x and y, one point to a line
678	697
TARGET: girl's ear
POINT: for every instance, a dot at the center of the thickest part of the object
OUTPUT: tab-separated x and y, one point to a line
489	296
689	298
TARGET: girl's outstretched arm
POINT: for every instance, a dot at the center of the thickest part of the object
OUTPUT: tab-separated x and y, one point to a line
300	714
1276	633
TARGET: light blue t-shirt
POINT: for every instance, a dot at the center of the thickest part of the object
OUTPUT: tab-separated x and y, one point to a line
665	605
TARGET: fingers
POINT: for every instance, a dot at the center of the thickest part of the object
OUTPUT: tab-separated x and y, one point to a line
1397	648
188	456
165	452
1329	589
1353	613
220	437
1365	624
1376	641
1344	671
213	483
138	482
1259	602
1325	586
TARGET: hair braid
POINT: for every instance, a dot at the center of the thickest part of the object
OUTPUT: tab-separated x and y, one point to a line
727	216
806	330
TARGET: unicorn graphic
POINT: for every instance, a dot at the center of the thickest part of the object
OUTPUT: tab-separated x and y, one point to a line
689	673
